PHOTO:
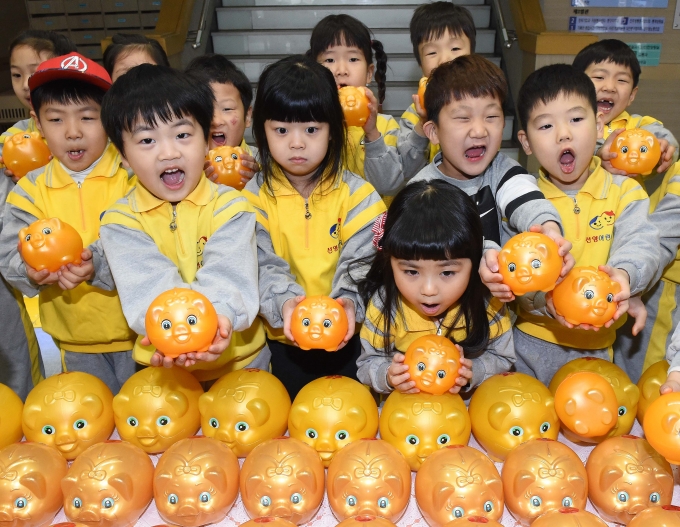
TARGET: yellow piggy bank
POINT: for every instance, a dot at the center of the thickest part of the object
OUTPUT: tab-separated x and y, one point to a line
71	411
108	485
627	394
30	494
649	384
510	408
244	408
157	407
331	412
417	424
10	417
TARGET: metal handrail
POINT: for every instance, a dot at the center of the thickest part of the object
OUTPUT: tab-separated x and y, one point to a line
201	25
508	36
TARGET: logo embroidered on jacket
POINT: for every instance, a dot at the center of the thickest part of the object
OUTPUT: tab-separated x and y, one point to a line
606	219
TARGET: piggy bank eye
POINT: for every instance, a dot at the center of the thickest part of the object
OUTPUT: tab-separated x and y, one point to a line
458	512
20	503
567	502
28	238
192	320
654	497
622	496
107	503
610	298
421	366
441	374
383	502
412	439
132	421
163	420
47	230
589	294
643	149
327	323
214	423
535	264
296	498
166	324
545	427
305	322
204	497
351	501
80	424
77	503
341	435
241	426
173	499
265	501
311	433
48	430
488	506
624	149
218	159
27	136
234	157
512	267
517	431
535	501
443	439
622	411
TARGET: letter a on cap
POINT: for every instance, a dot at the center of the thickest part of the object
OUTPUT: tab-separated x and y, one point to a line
74	62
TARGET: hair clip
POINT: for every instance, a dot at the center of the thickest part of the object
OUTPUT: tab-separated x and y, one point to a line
379	230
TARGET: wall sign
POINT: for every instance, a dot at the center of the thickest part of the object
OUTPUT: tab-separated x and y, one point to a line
620	3
648	53
616	24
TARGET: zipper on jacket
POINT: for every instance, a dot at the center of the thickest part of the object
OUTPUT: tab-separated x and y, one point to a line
577	211
82	210
174	228
308	216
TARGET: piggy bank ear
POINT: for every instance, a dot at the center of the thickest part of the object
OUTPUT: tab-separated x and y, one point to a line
336	313
22	233
397	484
619	141
205	401
523	478
441	494
217	476
664	479
579	484
633	392
123	484
649	389
162	475
456	418
358	416
93	403
497	414
496	486
579	283
35	482
542	248
199	304
608	476
156	313
179	402
251	485
55	223
120	402
339	483
260	410
308	479
649	140
297	414
30	415
302	308
397	421
668	422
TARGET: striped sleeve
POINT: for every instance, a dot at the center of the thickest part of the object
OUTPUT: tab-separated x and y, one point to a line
382	163
374	360
414	149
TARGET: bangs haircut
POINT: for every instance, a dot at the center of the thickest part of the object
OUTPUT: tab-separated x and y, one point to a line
548	83
431	21
66	92
609	50
297	89
149	93
218	68
467	76
40	41
123	44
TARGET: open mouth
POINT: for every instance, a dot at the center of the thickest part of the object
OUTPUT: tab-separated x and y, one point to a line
75	155
605	105
173	178
219	138
341	86
430	309
476	153
567	161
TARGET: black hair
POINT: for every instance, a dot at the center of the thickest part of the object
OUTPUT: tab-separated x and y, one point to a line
149	93
40	41
297	89
609	50
466	76
338	30
431	21
65	91
548	83
122	44
431	220
218	68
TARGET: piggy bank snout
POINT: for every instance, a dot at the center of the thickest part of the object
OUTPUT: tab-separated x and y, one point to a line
187	510
88	515
6	514
281	510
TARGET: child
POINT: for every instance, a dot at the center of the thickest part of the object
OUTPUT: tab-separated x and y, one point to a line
615	71
440	32
314	219
558	111
76	186
232	115
127	51
344	45
424	280
176	228
464	101
26	52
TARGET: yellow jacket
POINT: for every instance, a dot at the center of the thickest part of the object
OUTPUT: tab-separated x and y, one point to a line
210	248
84	319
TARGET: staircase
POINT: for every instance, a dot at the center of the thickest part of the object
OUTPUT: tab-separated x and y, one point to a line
255	33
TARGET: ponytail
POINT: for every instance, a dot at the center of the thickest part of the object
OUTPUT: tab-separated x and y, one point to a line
380	68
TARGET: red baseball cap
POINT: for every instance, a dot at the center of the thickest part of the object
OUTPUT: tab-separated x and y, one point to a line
71	66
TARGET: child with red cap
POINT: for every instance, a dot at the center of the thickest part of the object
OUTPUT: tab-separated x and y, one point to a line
82	180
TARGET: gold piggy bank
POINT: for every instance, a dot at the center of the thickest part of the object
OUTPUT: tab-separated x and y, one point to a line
244	408
664	516
473	521
70	411
626	476
268	521
568	517
156	407
369	477
509	409
417	424
282	477
331	412
366	520
196	482
456	482
627	395
108	485
10	417
30	495
649	384
542	475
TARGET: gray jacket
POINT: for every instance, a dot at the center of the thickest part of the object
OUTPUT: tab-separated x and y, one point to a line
414	149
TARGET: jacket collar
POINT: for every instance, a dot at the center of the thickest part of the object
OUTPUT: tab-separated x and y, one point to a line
414	321
141	200
282	187
623	117
597	184
57	177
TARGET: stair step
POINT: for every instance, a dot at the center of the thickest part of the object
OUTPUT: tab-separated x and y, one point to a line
302	17
312	3
287	42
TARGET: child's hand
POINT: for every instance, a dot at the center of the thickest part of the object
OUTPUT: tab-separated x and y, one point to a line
43	277
398	376
249	168
370	130
422	114
550	307
492	279
72	275
552	231
638	311
672	383
210	171
667	151
9	173
464	373
621	298
606	155
350	311
287	313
